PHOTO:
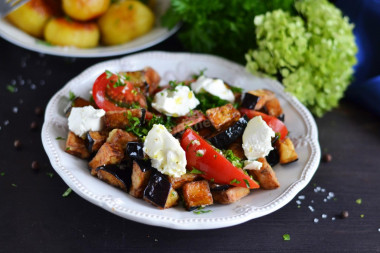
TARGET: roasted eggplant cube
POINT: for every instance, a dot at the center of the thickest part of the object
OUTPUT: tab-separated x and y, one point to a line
120	138
178	182
95	140
225	138
223	116
196	194
120	119
160	192
266	175
117	175
230	195
250	101
263	97
108	153
287	152
219	187
273	157
76	146
134	150
141	171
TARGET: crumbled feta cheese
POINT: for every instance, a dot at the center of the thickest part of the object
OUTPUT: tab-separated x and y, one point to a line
166	153
252	165
177	102
215	87
257	139
84	119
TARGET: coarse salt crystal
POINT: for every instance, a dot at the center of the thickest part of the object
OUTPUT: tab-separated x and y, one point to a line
316	220
323	190
324	216
298	202
332	218
15	109
312	201
301	197
311	208
324	200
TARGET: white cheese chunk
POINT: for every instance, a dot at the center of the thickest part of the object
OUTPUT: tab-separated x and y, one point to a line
177	102
257	138
84	119
215	87
252	165
166	153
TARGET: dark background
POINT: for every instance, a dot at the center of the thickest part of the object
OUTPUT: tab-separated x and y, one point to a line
34	217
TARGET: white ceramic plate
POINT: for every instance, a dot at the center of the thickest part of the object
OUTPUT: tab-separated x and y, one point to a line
155	36
180	66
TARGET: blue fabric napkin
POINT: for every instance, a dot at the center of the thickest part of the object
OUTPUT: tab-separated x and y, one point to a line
365	88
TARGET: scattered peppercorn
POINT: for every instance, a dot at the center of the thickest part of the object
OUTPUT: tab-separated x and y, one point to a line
326	158
33	125
35	165
344	214
38	111
17	144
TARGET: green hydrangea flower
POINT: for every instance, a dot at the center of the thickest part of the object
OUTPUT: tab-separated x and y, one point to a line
312	53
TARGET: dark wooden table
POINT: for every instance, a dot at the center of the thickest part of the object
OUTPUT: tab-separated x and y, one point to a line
34	217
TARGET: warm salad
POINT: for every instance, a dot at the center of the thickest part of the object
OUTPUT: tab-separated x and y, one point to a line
199	141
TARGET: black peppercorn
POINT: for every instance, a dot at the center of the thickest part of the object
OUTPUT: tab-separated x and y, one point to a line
17	144
344	214
35	165
326	158
38	111
33	125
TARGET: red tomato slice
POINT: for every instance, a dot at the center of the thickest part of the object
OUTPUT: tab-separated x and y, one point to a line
214	166
109	97
277	125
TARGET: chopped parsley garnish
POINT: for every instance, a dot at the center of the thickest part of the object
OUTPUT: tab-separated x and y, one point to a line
72	96
108	74
358	201
234	181
173	85
14	185
247	183
201	210
11	88
67	192
43	42
49	174
2	174
141	131
199	153
195	171
236	161
201	73
362	216
286	237
60	138
207	101
68	148
236	89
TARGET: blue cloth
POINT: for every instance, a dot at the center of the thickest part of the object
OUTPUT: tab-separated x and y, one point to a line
365	88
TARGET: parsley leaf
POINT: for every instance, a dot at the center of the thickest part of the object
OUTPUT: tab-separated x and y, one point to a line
201	210
286	237
236	161
11	88
207	101
67	192
195	171
59	138
72	96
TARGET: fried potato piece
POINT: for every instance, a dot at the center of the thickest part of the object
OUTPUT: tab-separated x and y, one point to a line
230	195
63	32
266	176
140	179
84	10
223	116
197	194
286	151
109	153
119	119
178	182
76	146
124	21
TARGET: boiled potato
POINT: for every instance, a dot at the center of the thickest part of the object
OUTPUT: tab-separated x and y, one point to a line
85	10
33	16
65	32
125	21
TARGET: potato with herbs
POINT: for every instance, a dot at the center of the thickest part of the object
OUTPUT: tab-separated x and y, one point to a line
125	21
65	32
33	16
84	10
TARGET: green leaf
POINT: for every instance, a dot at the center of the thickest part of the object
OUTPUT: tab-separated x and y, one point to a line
286	237
195	171
358	201
11	88
201	210
72	96
2	174
67	192
60	138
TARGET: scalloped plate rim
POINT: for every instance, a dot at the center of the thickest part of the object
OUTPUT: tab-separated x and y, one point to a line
106	202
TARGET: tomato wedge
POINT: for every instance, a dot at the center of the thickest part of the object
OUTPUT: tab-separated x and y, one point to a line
214	166
277	125
111	93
